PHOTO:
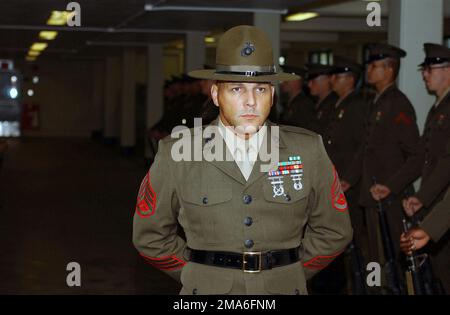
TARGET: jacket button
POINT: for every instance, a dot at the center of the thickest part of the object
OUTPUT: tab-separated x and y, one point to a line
247	199
194	291
287	198
329	141
249	243
205	200
248	221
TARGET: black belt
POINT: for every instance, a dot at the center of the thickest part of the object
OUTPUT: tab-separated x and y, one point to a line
251	262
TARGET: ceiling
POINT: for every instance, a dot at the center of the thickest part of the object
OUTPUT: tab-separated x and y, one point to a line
108	25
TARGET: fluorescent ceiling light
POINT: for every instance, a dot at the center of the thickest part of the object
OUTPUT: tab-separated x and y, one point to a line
301	16
34	53
48	35
30	58
210	40
59	17
38	46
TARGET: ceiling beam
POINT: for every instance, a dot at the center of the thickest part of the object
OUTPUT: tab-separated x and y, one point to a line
311	5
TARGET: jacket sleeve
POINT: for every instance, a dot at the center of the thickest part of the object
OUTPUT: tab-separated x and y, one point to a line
155	218
354	171
328	230
437	222
409	172
438	181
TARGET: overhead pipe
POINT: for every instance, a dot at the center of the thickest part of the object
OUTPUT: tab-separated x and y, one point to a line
154	8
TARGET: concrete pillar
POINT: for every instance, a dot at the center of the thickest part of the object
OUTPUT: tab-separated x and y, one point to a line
128	108
270	23
194	51
98	97
411	24
155	98
112	99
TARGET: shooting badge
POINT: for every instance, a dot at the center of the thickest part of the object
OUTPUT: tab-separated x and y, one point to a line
294	168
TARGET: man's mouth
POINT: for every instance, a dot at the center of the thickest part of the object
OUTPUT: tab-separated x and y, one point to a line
249	116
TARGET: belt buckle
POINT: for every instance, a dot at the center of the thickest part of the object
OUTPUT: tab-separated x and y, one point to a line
244	261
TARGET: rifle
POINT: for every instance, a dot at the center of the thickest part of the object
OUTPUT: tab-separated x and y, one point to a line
419	266
392	276
414	280
356	262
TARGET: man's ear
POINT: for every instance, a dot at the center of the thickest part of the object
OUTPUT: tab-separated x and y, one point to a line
272	87
215	94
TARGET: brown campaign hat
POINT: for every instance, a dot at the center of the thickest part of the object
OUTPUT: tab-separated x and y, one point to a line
300	71
315	70
244	54
343	65
383	51
435	54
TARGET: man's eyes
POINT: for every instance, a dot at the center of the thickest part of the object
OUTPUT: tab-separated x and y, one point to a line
240	89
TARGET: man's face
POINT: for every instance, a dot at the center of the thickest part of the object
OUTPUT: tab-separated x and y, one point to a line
377	71
341	82
243	105
436	77
319	85
291	86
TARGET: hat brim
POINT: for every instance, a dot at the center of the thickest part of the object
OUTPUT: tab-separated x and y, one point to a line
210	74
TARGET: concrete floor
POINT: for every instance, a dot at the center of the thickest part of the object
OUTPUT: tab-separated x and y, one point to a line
67	201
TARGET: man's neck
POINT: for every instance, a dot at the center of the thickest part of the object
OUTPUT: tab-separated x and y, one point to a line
442	92
343	94
383	86
294	93
323	95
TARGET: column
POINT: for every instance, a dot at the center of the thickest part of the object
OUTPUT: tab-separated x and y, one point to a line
112	99
128	108
155	98
194	51
411	24
270	24
98	100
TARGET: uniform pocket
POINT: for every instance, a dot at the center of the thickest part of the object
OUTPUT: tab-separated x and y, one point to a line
204	211
198	279
286	280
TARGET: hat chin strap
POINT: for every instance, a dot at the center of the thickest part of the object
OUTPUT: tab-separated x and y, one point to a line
246	70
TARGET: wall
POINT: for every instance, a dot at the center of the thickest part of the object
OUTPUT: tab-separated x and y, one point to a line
65	96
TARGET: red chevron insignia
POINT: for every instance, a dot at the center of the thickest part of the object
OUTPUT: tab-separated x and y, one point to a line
320	262
403	118
164	263
146	200
338	199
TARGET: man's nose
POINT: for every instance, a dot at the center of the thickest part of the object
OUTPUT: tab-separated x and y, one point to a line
251	99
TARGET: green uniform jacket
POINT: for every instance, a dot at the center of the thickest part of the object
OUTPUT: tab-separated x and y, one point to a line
299	112
431	160
219	210
437	222
391	137
322	116
345	133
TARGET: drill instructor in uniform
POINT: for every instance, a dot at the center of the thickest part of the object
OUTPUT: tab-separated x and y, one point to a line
248	231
